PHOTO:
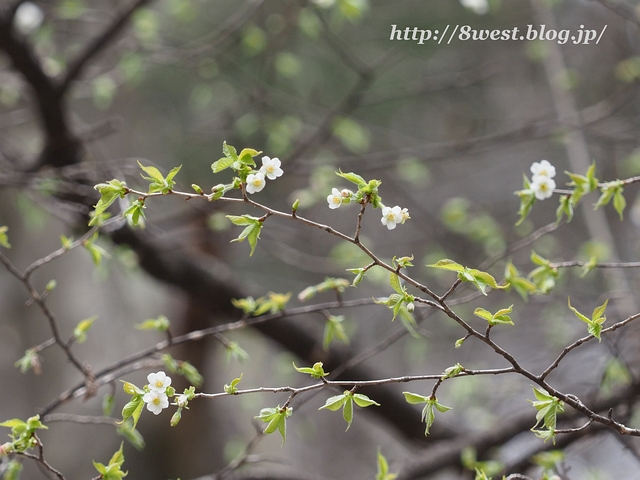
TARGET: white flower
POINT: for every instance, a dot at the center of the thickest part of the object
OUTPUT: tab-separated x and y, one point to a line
271	168
542	186
391	216
478	6
543	169
28	18
156	401
182	400
158	382
335	199
405	214
255	182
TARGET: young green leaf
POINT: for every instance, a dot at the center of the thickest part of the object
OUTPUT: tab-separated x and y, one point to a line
160	324
594	324
353	178
135	214
527	200
501	317
232	388
316	371
394	281
429	410
80	332
346	401
112	471
276	419
94	250
548	408
334	328
4	239
109	192
521	285
251	232
383	468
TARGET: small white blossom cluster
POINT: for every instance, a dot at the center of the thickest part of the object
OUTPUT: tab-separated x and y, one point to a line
338	197
393	216
156	398
542	183
390	216
270	169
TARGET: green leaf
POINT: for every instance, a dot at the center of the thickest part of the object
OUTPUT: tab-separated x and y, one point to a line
594	324
316	371
132	409
428	412
347	411
229	151
80	332
414	398
334	328
232	388
131	389
112	471
453	371
598	312
548	408
191	373
619	202
363	401
222	164
109	192
4	239
275	418
447	264
108	404
235	352
521	285
383	468
482	313
66	242
527	200
172	173
564	208
353	178
131	435
160	324
134	214
500	317
334	403
251	232
394	281
94	250
30	360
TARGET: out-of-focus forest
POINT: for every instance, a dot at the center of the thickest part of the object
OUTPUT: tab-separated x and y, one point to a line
89	88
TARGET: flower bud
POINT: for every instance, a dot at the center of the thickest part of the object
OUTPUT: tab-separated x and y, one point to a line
411	307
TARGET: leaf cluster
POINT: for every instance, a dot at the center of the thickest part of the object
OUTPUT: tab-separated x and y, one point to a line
429	410
346	401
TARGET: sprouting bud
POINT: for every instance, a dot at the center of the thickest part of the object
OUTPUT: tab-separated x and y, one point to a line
216	192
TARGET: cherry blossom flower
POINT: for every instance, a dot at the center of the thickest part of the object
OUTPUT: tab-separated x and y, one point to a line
543	169
391	216
335	199
158	382
182	400
542	186
156	401
271	168
255	182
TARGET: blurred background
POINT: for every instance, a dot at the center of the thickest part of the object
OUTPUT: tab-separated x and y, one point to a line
87	87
